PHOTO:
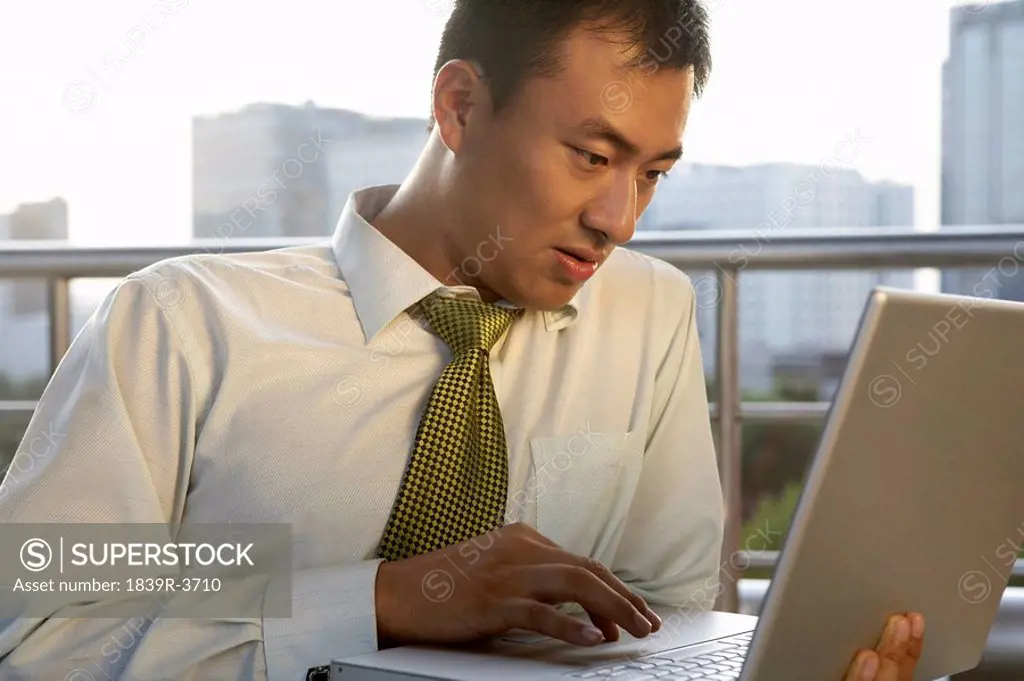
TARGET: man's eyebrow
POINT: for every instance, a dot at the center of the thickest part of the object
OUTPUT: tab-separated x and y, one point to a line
599	128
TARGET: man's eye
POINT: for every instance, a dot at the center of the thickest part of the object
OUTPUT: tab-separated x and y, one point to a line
656	175
590	158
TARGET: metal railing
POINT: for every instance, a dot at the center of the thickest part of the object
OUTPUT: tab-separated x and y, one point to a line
725	253
728	254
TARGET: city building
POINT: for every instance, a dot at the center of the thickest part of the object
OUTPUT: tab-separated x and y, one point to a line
380	151
274	170
784	314
983	136
285	171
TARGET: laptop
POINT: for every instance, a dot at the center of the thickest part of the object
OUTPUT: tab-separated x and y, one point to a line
912	503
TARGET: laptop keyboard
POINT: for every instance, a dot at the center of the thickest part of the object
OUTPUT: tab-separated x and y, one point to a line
722	663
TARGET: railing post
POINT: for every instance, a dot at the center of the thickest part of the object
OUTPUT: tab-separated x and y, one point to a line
729	442
60	319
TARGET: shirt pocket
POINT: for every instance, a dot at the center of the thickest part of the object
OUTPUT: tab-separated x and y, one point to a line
583	486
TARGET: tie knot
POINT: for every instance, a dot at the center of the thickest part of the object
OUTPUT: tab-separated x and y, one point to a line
467	324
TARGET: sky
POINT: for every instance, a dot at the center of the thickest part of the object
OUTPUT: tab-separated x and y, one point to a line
792	80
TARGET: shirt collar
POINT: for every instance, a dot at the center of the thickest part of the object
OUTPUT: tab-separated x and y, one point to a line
384	280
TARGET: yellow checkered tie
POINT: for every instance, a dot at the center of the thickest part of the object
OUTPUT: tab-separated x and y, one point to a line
456	481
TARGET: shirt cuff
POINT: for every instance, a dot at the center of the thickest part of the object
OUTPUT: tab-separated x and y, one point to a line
333	615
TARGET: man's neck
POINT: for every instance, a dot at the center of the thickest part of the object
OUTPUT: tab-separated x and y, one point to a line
411	221
422	222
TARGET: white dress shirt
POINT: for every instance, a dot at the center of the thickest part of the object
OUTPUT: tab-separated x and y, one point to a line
286	387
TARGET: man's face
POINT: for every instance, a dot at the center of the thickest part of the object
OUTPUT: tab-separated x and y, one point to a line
549	192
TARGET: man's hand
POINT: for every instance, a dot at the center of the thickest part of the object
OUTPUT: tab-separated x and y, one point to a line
506	579
896	655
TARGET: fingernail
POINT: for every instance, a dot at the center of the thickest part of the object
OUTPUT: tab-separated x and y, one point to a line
917	626
902	631
869	668
592	635
644	624
655	618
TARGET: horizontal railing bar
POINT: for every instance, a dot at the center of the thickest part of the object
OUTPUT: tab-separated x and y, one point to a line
758	560
807	249
65	260
754	560
779	412
750	412
17	406
824	249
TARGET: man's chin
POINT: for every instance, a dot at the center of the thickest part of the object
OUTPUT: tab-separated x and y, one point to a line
536	291
554	298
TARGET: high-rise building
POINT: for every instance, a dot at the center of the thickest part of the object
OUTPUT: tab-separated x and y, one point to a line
273	170
380	151
808	313
983	135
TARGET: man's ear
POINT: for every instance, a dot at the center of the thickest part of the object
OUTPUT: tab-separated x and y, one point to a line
460	92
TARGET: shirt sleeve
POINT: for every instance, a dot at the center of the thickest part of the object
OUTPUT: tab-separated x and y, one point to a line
670	550
112	441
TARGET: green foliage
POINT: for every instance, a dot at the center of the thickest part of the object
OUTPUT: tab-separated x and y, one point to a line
775	456
768	527
23	390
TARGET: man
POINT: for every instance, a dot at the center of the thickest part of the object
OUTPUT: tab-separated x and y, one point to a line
470	383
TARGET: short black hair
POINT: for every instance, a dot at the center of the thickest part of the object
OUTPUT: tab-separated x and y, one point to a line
516	40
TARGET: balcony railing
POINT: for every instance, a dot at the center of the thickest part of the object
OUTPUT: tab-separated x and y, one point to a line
728	254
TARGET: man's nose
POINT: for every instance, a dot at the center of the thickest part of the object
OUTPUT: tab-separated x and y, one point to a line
613	211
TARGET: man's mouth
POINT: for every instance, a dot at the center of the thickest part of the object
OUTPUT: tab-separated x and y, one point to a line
577	264
583	256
